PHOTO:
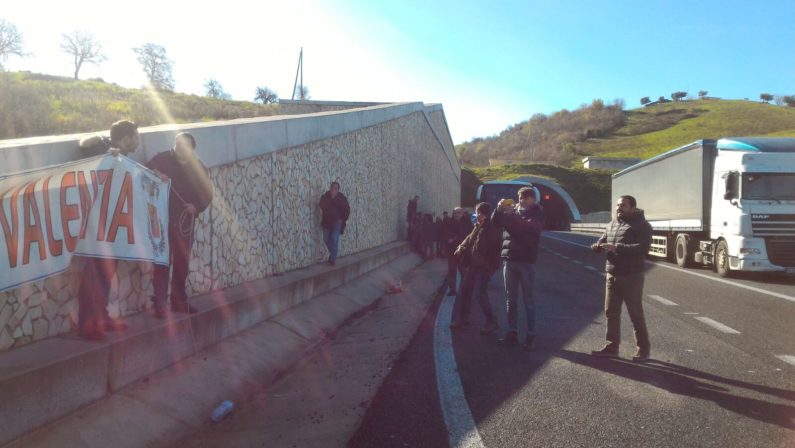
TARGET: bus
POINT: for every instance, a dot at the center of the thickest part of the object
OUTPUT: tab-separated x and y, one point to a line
559	215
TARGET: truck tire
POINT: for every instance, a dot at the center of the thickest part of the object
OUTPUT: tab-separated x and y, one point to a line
722	259
682	252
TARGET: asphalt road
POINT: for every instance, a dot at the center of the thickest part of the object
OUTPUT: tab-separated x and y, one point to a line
722	374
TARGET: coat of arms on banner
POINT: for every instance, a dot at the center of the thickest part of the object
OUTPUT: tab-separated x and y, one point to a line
155	230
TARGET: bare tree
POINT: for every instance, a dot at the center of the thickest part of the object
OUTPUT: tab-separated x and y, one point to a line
645	100
215	90
10	42
156	65
789	100
83	47
677	96
766	97
778	100
266	96
702	94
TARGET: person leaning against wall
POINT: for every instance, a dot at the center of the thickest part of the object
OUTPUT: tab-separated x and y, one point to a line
336	211
93	319
190	194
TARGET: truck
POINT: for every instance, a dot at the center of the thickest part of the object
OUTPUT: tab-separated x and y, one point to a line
727	203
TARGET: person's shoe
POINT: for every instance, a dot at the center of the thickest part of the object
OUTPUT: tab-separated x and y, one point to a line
451	294
188	309
641	356
114	325
92	335
160	311
331	263
608	351
489	329
511	339
529	344
459	325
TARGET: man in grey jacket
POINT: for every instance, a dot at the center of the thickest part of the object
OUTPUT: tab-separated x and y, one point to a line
626	240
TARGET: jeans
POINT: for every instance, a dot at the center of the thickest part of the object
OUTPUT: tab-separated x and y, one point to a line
625	289
331	236
518	274
452	273
180	257
475	282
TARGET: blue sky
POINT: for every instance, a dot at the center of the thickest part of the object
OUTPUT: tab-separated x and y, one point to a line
491	64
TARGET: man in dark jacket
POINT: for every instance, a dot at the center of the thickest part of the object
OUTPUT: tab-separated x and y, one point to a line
524	223
479	256
190	194
458	228
626	240
336	211
411	212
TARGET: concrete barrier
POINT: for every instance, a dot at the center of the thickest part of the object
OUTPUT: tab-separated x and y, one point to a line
589	228
45	381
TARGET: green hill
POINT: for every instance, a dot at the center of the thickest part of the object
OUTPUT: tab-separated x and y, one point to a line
37	105
565	137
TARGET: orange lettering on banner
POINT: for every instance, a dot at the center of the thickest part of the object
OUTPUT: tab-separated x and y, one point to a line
104	177
94	183
33	232
120	218
85	202
56	246
12	233
69	212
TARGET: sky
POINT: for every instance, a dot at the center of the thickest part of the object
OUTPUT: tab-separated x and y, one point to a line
491	64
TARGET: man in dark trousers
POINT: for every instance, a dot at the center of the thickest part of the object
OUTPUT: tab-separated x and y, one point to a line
626	240
92	315
458	228
411	212
191	193
479	258
523	222
336	211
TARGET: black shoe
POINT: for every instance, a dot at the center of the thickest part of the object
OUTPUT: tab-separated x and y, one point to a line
529	344
511	339
160	311
459	325
451	294
489	329
608	351
641	356
184	309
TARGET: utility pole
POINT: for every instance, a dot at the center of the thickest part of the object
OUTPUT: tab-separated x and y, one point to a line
299	69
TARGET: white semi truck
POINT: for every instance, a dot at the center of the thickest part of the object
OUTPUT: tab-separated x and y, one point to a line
729	204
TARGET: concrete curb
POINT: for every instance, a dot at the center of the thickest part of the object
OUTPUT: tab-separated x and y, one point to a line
47	381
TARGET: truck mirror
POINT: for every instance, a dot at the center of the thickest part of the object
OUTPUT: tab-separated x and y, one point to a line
731	186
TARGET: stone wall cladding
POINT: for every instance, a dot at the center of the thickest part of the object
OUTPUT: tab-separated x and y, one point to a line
264	219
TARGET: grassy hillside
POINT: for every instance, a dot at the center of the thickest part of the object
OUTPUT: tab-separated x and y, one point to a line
36	105
590	189
565	137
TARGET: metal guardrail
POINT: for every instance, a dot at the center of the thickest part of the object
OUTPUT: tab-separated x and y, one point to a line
591	228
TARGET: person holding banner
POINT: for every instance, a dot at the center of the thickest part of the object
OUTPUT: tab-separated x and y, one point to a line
191	193
92	316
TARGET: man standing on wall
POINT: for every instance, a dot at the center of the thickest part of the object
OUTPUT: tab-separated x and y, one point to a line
626	240
92	315
191	193
336	211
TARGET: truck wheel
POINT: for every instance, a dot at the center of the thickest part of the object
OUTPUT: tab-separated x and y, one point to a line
682	252
722	259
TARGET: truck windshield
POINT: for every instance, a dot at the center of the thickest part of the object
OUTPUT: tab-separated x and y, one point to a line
776	186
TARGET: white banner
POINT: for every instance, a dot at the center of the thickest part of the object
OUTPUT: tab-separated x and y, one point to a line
106	206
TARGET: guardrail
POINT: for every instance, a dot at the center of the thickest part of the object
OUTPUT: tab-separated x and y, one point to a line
590	228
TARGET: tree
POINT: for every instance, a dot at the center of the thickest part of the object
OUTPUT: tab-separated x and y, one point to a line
10	42
677	96
266	95
766	97
156	66
644	101
702	94
215	90
789	100
83	47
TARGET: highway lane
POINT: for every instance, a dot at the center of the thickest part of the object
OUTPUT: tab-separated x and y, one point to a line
705	386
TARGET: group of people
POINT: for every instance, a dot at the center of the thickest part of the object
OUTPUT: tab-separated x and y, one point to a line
435	236
509	237
190	194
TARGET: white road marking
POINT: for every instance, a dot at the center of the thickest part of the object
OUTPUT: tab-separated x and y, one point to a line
709	277
577	261
663	300
591	268
565	257
692	314
461	429
717	325
789	359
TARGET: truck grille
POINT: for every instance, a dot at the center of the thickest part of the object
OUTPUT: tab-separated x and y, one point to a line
781	251
772	225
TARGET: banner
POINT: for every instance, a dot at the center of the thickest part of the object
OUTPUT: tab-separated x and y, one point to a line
106	206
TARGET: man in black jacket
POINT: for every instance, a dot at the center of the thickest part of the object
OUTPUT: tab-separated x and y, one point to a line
190	194
524	223
336	211
458	228
626	240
